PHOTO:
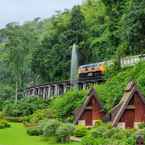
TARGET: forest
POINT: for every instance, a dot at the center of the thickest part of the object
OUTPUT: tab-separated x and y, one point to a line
39	51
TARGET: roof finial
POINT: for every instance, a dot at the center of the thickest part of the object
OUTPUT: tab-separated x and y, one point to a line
130	85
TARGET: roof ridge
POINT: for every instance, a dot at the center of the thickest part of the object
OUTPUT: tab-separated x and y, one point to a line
91	93
130	86
121	110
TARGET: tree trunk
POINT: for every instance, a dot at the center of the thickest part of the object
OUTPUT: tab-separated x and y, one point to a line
16	93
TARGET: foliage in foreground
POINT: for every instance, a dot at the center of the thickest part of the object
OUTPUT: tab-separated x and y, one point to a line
38	115
34	131
80	131
52	128
17	135
4	124
104	134
25	106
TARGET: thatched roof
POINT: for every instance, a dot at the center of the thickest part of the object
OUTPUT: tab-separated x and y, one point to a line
130	90
79	111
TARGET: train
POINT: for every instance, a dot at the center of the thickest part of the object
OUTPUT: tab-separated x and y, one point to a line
93	71
96	71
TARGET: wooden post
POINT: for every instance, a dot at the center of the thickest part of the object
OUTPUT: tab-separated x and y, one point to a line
43	93
65	89
139	140
55	90
16	95
49	92
84	85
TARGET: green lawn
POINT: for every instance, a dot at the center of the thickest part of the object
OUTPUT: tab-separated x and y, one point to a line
16	135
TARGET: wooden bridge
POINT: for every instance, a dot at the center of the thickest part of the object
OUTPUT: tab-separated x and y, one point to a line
50	90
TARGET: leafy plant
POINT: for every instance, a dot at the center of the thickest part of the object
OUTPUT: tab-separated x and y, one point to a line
63	132
25	106
80	131
39	115
35	131
49	127
4	124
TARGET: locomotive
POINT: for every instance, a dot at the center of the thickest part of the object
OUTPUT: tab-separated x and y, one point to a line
93	71
96	71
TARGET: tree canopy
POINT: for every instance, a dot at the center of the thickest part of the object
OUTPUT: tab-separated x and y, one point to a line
40	50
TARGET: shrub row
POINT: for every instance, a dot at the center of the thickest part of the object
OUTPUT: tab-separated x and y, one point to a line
53	128
24	107
104	134
4	124
34	131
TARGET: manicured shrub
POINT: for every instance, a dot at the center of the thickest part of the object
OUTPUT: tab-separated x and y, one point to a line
39	115
49	127
55	128
34	131
24	107
80	131
104	135
4	124
63	132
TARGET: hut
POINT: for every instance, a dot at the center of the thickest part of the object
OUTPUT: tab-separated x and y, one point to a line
90	111
130	112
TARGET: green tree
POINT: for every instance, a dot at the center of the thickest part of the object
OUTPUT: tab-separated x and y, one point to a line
134	23
52	60
19	42
77	33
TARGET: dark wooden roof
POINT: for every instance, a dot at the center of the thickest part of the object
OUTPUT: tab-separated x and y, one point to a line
130	90
79	111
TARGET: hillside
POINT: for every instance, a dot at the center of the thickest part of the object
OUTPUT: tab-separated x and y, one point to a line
109	93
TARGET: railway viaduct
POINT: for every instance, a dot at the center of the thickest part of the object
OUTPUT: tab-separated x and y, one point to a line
50	90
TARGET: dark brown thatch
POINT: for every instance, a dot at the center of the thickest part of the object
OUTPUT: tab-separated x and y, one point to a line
119	109
79	111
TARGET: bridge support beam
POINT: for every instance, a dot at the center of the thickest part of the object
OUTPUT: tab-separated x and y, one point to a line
50	90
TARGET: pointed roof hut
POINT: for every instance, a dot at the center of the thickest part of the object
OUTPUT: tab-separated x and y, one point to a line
90	111
131	110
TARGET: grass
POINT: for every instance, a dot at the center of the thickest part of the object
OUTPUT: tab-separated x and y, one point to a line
16	135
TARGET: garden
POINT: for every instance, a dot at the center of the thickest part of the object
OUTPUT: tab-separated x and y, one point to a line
40	122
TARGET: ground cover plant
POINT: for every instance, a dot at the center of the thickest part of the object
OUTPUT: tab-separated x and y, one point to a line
24	107
104	134
52	128
38	115
4	124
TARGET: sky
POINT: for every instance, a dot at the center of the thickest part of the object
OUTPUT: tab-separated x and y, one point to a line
25	10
